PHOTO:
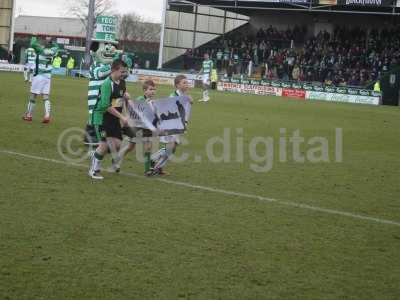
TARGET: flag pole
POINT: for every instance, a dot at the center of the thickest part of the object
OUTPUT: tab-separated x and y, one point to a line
89	31
163	20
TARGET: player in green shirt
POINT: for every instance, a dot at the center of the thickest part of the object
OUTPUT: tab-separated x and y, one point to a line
41	82
107	116
206	68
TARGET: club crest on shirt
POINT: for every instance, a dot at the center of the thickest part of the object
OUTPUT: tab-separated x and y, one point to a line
116	102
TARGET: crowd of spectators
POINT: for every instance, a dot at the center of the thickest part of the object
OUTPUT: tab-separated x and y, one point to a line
345	57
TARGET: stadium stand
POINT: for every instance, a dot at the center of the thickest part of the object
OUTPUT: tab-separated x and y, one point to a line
348	57
339	43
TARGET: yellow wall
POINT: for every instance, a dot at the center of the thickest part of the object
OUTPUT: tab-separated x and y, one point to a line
6	8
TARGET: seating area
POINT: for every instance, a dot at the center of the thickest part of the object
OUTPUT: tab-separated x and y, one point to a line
345	57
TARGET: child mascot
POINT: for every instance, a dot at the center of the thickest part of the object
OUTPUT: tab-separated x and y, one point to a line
103	51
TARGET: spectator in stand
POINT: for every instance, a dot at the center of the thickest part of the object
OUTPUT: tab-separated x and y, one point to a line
227	57
296	73
236	62
245	62
219	57
230	69
328	79
270	74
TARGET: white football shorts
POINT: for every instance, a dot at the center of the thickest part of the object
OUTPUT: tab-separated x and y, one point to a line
41	85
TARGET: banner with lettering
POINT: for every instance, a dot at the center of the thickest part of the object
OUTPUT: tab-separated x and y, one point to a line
377	3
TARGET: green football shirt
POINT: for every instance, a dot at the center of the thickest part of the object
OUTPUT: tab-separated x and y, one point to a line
111	94
207	66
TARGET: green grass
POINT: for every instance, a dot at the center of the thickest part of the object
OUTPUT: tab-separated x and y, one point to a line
63	236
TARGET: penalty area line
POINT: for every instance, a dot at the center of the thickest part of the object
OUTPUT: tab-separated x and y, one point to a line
220	191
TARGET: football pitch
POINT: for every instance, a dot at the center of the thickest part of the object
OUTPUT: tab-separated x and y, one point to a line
241	223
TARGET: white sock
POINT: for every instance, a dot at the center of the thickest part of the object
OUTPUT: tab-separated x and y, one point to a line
47	108
164	159
26	75
96	163
161	163
119	156
31	106
204	94
157	155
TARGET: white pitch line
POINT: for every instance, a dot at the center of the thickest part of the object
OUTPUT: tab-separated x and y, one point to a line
221	191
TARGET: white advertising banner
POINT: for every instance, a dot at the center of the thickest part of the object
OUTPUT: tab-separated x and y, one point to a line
334	97
11	67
